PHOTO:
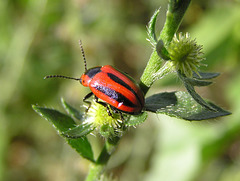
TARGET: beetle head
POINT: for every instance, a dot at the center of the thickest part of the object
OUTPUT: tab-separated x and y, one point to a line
85	80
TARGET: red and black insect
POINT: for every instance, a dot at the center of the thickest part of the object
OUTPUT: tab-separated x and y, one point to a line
113	87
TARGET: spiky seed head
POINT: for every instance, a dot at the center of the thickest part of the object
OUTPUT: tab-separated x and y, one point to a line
106	125
186	54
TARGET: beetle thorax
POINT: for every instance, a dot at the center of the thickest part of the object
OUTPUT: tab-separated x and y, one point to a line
85	80
88	75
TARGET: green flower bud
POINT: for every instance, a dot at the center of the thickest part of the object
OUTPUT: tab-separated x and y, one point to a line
185	54
99	119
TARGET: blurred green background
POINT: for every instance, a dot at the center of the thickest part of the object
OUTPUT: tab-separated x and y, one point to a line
38	38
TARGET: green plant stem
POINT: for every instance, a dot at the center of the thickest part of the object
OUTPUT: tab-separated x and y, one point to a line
175	13
147	79
96	169
95	172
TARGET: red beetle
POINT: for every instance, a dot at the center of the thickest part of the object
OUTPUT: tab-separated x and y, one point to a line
112	86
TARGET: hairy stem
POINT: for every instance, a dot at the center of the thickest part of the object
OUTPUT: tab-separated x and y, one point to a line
97	168
175	13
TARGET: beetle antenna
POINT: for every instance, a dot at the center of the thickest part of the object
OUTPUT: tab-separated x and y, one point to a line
83	55
61	76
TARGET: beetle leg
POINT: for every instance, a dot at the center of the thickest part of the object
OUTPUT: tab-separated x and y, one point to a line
117	112
109	109
88	102
121	115
105	105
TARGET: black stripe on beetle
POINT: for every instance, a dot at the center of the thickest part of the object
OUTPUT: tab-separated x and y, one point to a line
115	95
93	71
121	82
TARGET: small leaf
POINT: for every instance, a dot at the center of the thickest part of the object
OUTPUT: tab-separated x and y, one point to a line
193	93
151	28
198	98
83	147
160	101
135	120
63	123
182	105
72	111
162	51
207	114
78	131
205	76
60	121
197	82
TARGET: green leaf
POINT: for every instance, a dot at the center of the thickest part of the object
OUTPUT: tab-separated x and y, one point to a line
160	101
205	75
60	121
151	28
63	123
197	82
78	131
135	120
197	97
162	51
182	105
192	92
83	147
207	114
72	111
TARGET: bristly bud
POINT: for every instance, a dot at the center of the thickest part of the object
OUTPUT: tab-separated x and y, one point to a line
185	54
101	122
